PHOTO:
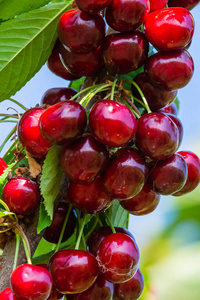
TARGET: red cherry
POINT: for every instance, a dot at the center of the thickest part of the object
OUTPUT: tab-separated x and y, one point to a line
30	282
112	123
157	4
92	6
7	294
193	178
73	271
118	257
63	122
179	125
171	109
169	28
29	134
55	95
188	4
131	289
22	195
3	165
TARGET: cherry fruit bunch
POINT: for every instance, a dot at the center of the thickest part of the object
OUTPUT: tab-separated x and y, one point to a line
117	139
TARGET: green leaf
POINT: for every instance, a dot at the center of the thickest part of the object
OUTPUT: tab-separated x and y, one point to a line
10	9
44	218
3	177
25	44
118	215
51	178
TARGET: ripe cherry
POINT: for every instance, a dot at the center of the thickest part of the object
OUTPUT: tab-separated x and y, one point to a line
92	6
7	294
55	95
22	195
63	122
171	109
157	4
118	257
188	4
29	134
30	282
3	165
112	123
73	271
179	125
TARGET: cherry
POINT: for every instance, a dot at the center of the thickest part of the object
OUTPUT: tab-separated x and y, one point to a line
188	4
92	6
112	123
193	178
99	235
170	70
179	125
131	289
84	159
63	122
81	32
118	257
143	203
7	294
3	165
171	109
52	233
73	271
126	174
100	290
124	52
29	134
157	4
127	15
157	136
168	176
22	195
169	28
89	197
157	98
30	282
55	95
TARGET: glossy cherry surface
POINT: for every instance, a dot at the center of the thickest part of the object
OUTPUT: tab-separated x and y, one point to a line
171	109
84	159
3	165
157	4
22	195
157	136
168	176
124	52
112	123
89	197
169	28
73	271
156	97
7	294
52	233
179	125
63	122
126	15
131	289
99	235
30	282
55	95
170	70
193	178
118	257
126	174
29	134
92	6
81	32
188	4
143	203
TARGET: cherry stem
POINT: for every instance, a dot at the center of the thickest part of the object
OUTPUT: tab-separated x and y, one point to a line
80	232
135	111
27	248
92	87
18	103
113	89
109	223
63	228
141	94
16	250
93	227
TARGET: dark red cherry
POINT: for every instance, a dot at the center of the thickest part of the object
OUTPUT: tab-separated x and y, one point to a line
99	235
127	15
143	203
193	178
100	290
7	294
73	271
92	6
188	4
131	289
118	257
29	134
30	282
63	122
81	32
89	197
124	52
52	233
157	98
179	125
84	159
169	28
3	165
157	4
22	195
55	95
112	123
157	136
126	174
168	176
171	109
170	70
